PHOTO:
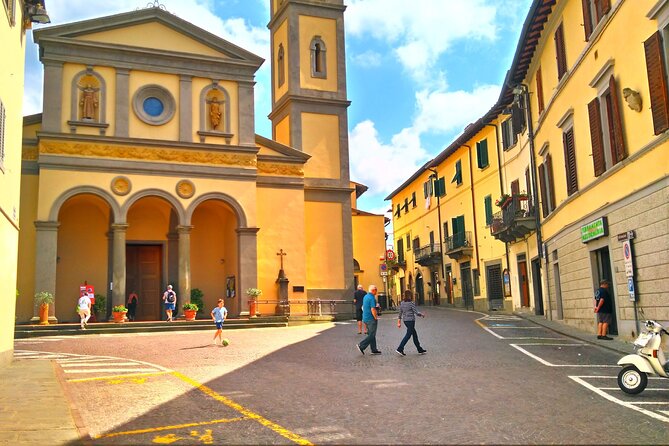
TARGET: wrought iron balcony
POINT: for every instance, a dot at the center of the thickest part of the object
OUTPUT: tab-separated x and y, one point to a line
428	255
515	221
459	245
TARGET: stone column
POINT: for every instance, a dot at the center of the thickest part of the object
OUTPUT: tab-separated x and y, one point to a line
184	263
46	257
248	265
118	263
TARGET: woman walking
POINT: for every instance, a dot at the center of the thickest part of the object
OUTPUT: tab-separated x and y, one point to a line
409	312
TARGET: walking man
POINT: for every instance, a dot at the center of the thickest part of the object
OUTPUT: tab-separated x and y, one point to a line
358	296
170	299
603	307
369	317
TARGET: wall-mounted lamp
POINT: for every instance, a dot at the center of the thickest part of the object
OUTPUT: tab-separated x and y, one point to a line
455	281
35	11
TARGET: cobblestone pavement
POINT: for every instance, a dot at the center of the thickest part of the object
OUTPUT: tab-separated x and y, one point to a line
485	379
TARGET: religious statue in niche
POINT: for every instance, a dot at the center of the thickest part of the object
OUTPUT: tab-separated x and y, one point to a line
89	103
215	113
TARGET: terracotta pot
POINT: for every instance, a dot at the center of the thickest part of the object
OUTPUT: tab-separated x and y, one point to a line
119	316
252	308
44	314
190	314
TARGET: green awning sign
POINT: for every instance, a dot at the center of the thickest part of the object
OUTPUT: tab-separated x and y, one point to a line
594	230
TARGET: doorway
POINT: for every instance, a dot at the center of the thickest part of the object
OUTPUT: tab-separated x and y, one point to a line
523	282
602	260
448	286
144	276
493	276
536	282
420	291
466	282
435	287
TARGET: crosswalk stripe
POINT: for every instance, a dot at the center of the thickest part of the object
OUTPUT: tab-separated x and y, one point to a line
109	370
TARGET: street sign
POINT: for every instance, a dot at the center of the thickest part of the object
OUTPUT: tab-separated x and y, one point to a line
627	257
390	254
630	289
383	269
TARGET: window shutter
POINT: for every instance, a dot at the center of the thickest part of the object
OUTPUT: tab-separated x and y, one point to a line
596	137
528	188
482	153
551	182
517	119
515	187
487	202
587	19
560	54
397	211
618	139
540	91
505	135
657	82
570	161
440	187
602	7
542	187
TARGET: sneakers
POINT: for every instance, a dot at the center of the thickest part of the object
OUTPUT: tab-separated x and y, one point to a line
422	351
400	352
359	349
606	338
376	352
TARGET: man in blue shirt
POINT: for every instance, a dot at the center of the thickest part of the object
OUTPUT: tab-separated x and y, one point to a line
369	317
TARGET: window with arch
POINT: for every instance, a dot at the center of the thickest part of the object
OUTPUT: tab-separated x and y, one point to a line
318	65
280	66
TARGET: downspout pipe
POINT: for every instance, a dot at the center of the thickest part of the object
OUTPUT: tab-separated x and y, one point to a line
435	175
476	237
501	185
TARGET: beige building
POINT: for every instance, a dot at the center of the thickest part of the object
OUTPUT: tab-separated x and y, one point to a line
16	17
144	168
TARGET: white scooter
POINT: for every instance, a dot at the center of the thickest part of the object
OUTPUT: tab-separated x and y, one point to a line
649	359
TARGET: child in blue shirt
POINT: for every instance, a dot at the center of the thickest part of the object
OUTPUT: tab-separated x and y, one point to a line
218	314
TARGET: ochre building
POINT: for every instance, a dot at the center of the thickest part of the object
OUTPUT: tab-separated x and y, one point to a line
144	168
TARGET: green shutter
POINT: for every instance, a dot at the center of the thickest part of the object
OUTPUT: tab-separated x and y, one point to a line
482	153
488	210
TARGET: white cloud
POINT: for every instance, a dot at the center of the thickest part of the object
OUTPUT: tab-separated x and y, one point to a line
444	112
368	59
381	166
420	35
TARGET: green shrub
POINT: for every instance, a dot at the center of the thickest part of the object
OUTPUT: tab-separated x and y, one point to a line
119	309
190	306
100	305
44	297
196	296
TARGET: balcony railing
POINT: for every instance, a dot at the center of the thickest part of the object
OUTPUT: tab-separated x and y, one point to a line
459	245
515	221
428	255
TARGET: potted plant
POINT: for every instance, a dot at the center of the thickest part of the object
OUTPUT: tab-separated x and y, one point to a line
196	296
100	307
253	294
190	310
118	312
43	299
502	200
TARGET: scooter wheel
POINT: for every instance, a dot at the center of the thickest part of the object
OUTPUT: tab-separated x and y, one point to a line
631	380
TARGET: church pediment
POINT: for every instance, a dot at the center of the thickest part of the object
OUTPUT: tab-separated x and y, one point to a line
273	151
154	28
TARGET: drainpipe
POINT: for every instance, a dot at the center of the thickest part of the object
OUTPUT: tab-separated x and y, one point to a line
476	238
441	241
524	93
501	185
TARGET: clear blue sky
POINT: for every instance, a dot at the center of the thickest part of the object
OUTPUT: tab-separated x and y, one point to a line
418	71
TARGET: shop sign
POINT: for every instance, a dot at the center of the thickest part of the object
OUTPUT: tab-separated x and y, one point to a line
594	230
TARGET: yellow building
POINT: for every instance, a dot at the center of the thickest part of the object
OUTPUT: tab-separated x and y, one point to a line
16	17
144	168
582	169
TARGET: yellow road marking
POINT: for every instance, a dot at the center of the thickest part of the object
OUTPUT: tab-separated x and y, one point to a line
110	377
247	413
165	428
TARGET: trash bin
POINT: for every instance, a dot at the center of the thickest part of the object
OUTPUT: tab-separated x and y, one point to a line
383	301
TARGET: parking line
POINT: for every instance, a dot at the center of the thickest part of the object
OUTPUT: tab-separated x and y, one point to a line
247	413
550	364
108	377
620	402
165	428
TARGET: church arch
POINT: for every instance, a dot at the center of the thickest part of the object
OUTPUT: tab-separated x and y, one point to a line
234	204
106	196
152	193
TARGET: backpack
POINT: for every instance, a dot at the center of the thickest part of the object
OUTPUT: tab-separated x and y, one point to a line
170	297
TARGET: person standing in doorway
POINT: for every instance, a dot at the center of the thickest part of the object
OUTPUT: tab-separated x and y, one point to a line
408	312
603	308
132	305
170	299
371	318
358	297
84	306
218	314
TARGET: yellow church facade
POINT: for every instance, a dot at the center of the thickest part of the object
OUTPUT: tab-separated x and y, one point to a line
144	168
577	180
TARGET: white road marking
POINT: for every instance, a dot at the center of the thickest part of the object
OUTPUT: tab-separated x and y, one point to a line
110	371
647	389
628	405
550	364
93	364
500	327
